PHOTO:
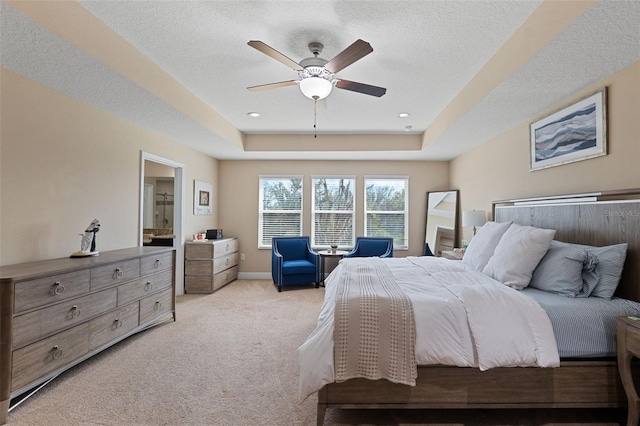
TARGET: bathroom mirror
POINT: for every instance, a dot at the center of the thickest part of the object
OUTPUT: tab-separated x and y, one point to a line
158	204
442	221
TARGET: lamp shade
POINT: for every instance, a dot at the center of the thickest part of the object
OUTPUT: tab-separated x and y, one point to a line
474	218
315	87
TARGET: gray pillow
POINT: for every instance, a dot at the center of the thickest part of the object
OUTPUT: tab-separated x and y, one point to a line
566	270
610	263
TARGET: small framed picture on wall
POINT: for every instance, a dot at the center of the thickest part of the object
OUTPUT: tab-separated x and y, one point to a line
202	197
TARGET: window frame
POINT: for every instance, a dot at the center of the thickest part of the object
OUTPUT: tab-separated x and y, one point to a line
353	180
405	212
261	210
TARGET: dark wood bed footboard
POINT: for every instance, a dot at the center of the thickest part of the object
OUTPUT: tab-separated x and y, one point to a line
575	384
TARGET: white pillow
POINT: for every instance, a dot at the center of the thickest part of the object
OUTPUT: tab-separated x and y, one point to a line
517	255
481	246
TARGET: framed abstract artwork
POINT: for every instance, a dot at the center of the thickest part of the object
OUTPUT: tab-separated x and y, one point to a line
573	133
202	197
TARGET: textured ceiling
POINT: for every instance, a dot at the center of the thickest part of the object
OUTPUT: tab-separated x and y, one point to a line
428	54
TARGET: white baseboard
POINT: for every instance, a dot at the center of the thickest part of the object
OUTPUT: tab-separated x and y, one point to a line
254	275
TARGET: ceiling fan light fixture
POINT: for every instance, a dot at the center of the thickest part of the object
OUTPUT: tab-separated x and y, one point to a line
315	87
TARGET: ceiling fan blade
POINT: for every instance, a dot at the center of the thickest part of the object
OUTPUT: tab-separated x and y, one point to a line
273	85
356	51
270	51
367	89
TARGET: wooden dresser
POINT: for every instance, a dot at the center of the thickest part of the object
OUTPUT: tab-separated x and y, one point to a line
56	313
209	265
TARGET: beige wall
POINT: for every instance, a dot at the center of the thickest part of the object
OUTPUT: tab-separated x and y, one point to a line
64	163
499	169
238	199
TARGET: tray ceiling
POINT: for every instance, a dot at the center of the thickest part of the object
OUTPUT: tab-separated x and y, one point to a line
465	71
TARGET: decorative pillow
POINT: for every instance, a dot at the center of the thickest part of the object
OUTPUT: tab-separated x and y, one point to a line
566	270
483	244
517	254
610	263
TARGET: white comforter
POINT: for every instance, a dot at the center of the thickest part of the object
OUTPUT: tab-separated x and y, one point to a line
463	318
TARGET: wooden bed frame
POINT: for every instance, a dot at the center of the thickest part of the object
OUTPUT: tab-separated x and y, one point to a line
597	219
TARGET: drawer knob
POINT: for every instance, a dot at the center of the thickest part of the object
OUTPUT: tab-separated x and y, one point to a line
75	312
117	273
148	286
228	247
226	262
58	288
157	264
56	352
117	323
157	306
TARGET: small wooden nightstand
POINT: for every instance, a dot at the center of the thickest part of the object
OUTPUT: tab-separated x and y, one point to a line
628	330
453	255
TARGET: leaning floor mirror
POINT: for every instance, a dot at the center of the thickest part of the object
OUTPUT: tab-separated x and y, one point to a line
442	221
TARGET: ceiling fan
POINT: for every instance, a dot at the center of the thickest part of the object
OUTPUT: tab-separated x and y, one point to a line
317	75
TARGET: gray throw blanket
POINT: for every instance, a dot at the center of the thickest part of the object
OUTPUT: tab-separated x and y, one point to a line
374	334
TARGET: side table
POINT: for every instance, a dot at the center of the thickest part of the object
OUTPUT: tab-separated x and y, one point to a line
453	255
628	335
329	253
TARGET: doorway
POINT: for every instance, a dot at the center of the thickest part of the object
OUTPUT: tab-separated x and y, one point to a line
162	207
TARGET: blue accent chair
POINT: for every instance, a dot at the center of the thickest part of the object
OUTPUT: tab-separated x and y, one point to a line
293	261
427	250
372	247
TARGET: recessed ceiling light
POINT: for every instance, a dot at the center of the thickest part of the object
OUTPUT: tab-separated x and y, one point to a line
254	114
408	128
404	115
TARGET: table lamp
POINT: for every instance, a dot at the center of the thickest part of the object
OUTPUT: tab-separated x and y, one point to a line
474	218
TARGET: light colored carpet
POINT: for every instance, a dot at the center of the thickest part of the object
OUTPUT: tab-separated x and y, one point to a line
231	359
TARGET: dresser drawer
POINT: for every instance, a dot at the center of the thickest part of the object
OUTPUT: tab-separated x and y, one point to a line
209	283
47	355
210	267
198	267
225	262
141	287
113	325
35	325
152	264
198	284
225	277
155	306
225	247
55	288
114	273
210	250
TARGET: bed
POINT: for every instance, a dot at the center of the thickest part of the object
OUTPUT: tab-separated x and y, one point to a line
584	377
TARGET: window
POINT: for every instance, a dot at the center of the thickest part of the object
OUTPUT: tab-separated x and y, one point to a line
280	207
386	209
333	212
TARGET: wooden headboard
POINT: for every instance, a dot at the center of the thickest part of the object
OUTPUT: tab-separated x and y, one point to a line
597	219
